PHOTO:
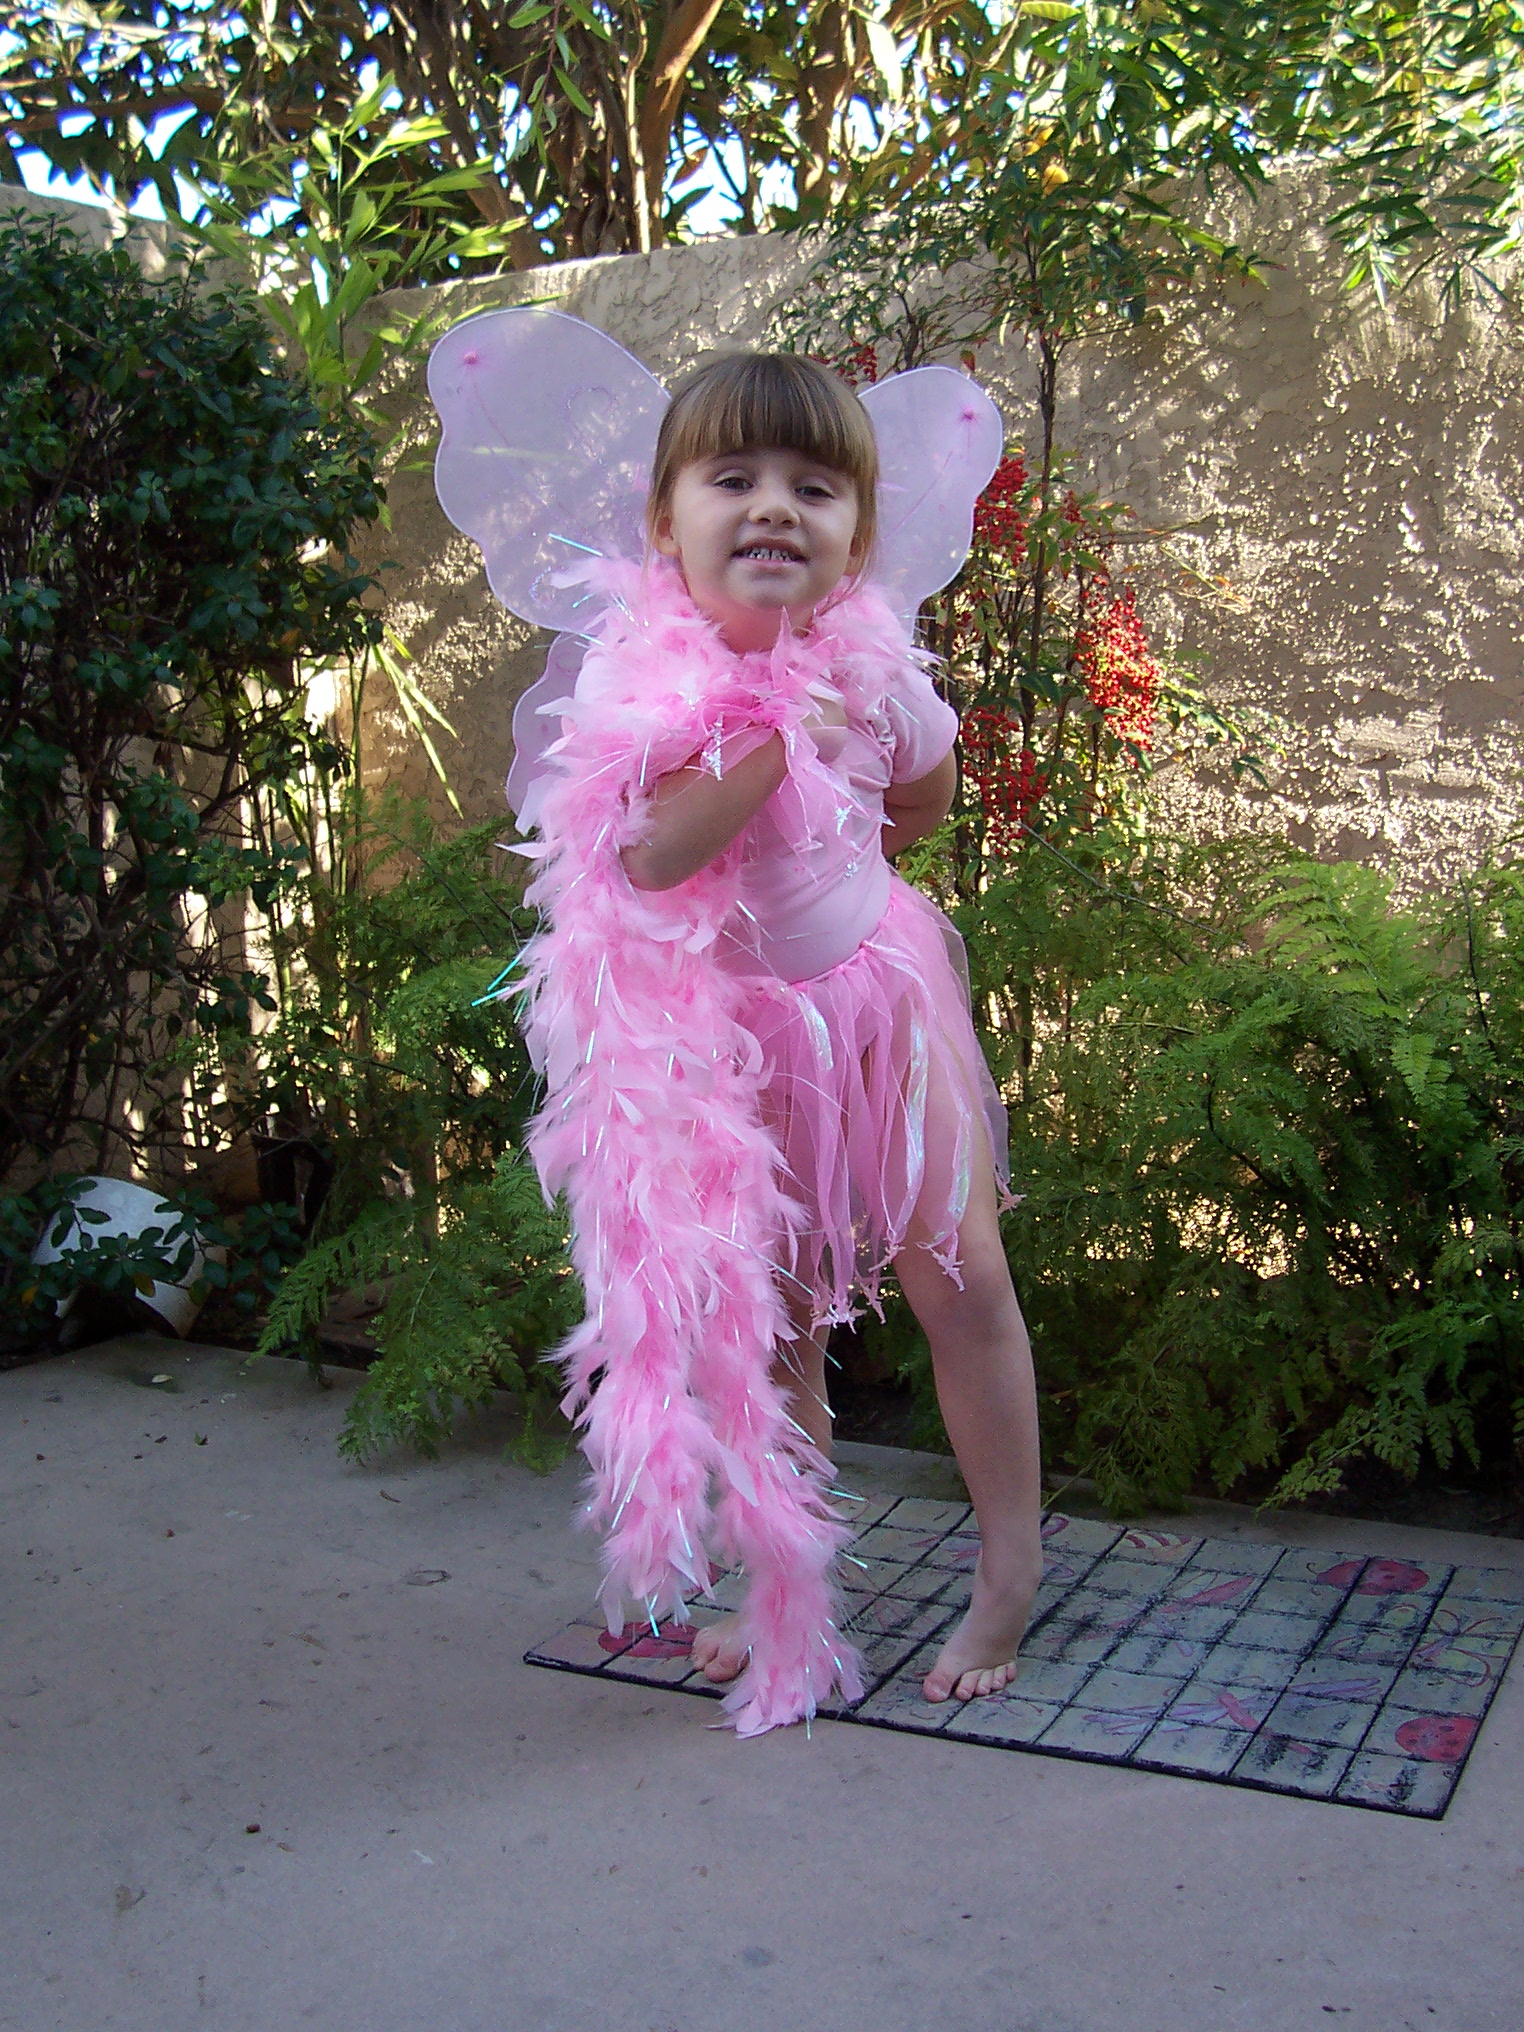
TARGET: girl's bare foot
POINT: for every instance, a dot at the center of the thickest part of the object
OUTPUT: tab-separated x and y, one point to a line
720	1651
979	1657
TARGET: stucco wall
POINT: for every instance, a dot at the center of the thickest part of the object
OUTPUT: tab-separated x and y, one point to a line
1342	484
147	240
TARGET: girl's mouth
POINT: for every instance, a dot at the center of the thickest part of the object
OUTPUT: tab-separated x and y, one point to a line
769	553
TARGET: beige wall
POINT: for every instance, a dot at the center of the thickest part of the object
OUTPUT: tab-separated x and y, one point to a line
1343	484
1357	477
147	240
1352	475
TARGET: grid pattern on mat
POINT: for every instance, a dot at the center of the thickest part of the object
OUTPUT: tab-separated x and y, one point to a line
1345	1678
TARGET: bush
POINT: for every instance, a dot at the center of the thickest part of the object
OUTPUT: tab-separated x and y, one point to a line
395	1065
474	1296
174	515
388	1058
1272	1150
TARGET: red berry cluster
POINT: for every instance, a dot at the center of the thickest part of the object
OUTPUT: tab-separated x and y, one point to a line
861	364
997	513
1004	772
1120	671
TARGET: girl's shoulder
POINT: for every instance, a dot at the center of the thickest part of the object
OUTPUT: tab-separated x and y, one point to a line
873	655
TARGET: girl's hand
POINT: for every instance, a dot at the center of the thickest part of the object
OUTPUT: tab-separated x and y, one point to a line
827	728
696	816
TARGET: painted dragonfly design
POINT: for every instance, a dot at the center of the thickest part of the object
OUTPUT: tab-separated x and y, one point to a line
1222	1708
1457	1635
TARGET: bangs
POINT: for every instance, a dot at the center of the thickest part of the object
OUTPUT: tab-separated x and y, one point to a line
762	402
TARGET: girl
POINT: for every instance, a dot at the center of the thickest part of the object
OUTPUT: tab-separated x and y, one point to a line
763	1082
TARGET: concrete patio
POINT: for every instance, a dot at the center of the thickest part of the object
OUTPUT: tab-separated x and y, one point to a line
271	1758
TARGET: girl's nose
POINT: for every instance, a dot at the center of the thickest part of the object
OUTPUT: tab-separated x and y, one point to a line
772	503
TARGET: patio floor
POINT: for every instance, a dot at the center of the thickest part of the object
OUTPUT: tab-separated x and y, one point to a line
272	1758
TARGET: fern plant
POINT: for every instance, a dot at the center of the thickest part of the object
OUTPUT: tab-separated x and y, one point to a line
1268	1130
470	1306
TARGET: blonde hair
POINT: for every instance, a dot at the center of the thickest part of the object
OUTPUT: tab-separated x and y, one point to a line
737	402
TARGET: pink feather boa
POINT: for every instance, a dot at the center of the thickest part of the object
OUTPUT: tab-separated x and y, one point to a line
652	1125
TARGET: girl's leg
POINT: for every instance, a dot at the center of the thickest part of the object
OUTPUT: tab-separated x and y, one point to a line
799	1370
982	1363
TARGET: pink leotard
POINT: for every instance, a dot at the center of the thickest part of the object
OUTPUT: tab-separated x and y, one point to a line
815	879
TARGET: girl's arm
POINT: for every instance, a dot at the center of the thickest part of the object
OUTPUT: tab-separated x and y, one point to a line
916	809
696	816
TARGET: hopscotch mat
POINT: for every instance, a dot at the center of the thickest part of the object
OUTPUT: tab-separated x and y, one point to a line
1354	1679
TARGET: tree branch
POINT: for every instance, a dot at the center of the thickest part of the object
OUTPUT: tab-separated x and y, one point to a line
681	42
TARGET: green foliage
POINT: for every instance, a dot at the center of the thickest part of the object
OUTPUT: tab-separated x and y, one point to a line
173	520
394	1064
1057	188
388	1057
336	219
258	1248
471	1305
579	128
1267	1129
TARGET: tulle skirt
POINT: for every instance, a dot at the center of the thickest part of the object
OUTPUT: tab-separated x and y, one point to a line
881	1102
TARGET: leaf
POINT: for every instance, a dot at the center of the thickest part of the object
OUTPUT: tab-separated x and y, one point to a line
573	92
886	56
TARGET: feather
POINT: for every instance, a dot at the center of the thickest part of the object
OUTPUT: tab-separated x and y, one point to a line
688	1212
669	1374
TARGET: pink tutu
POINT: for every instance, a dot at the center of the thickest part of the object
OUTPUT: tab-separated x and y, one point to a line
880	1100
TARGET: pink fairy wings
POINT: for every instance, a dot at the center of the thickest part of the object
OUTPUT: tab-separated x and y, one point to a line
549	434
940	439
536	720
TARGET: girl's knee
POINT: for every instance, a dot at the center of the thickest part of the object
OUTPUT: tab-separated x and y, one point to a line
979	1301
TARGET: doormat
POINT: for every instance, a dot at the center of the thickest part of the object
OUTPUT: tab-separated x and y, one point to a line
1352	1679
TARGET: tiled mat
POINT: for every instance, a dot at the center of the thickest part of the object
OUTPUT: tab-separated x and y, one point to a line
1352	1679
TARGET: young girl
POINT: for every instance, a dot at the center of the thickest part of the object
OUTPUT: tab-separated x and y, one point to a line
764	1086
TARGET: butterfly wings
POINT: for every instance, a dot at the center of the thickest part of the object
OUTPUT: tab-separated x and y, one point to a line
940	439
545	461
549	434
536	723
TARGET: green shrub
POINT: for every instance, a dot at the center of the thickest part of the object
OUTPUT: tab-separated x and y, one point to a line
395	1065
475	1292
1271	1147
174	517
387	1058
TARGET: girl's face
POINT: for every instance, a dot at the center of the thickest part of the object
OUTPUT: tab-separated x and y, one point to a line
758	533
